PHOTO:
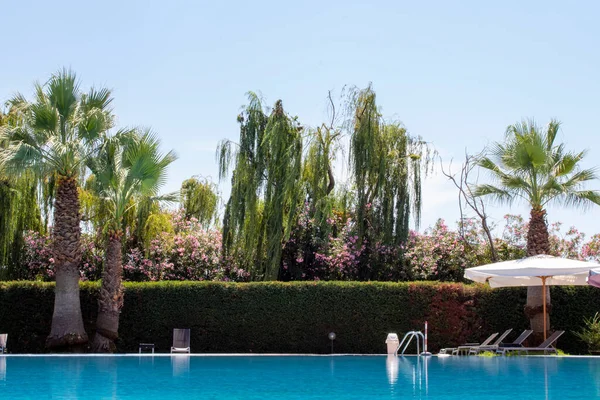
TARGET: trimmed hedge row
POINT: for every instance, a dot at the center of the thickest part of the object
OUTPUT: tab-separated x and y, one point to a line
294	317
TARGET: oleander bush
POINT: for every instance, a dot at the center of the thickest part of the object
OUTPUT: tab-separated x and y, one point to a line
295	317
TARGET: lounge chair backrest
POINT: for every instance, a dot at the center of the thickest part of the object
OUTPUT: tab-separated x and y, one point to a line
489	339
3	338
181	338
523	336
551	339
502	337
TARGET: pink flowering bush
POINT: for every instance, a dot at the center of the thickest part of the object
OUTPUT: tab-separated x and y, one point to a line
440	254
193	253
591	250
314	251
37	258
569	244
307	255
39	263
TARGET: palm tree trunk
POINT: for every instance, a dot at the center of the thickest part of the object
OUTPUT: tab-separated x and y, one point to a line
67	323
537	243
110	301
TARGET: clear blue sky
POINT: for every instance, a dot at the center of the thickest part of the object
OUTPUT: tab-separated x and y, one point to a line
456	73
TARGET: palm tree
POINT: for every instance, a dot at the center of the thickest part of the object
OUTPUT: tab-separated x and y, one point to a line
129	168
529	166
56	135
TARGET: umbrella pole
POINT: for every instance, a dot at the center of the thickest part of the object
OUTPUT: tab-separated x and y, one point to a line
544	303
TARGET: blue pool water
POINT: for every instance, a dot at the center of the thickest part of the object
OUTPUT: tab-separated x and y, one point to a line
270	377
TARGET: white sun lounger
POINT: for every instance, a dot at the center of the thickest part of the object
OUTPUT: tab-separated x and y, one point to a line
181	341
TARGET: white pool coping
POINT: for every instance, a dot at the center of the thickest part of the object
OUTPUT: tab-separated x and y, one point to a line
274	355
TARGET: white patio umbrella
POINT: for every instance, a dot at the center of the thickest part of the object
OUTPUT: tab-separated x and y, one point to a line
541	270
594	277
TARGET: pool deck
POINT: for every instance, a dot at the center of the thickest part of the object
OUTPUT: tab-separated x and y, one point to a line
262	355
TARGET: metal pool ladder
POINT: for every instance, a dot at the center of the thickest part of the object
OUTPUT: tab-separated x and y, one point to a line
408	338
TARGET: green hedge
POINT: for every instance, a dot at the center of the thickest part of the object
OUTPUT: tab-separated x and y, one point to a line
294	317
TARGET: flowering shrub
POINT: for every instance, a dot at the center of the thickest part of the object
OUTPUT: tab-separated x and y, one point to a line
440	254
344	257
39	263
591	250
310	254
92	259
313	252
570	244
193	253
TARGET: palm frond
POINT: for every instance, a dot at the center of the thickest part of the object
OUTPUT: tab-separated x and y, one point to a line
500	195
129	169
579	178
60	129
63	92
582	199
565	163
551	132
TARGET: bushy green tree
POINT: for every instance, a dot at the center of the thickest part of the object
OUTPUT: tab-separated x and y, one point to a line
265	191
530	166
129	167
55	135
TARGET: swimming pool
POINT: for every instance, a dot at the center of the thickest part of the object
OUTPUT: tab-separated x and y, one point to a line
297	377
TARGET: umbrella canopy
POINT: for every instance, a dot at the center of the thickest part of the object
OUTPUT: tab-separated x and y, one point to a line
540	270
594	277
529	271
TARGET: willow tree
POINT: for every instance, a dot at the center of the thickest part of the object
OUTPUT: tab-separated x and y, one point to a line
56	135
531	167
129	168
386	165
199	200
19	212
318	177
323	144
265	186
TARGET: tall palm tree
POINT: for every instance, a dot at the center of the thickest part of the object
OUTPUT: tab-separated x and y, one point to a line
529	166
129	168
56	135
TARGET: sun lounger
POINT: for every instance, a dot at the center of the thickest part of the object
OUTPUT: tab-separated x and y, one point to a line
518	342
181	341
3	339
490	347
545	347
465	347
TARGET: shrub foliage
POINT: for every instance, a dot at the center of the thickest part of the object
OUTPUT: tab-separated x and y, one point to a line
294	317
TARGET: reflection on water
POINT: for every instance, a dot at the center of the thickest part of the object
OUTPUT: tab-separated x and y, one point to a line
410	369
146	360
180	364
534	377
169	377
391	365
536	374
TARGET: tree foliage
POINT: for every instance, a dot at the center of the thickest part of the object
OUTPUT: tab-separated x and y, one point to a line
199	199
529	166
387	164
129	168
265	185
